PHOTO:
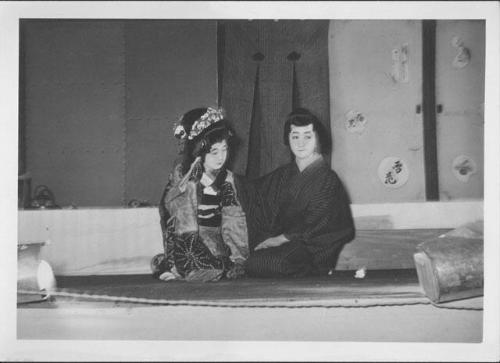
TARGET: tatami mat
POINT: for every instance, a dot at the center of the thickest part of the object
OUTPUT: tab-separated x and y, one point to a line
340	285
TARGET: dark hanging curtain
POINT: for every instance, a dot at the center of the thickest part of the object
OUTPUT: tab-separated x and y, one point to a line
254	138
269	68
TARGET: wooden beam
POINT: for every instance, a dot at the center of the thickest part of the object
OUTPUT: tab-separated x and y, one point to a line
429	108
21	104
221	42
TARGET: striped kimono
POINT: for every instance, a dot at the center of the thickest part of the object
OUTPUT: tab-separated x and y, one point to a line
310	208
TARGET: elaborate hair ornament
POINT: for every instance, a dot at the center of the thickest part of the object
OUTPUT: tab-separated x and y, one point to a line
210	117
179	131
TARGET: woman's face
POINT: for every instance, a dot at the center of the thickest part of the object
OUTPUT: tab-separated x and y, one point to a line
302	141
215	159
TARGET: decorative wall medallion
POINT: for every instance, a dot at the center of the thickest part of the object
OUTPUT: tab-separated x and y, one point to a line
355	122
399	72
463	56
393	172
403	76
463	167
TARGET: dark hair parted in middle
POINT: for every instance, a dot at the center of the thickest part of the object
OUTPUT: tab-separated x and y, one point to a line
303	117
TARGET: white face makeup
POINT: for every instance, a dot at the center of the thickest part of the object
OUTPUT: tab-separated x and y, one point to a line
215	159
302	141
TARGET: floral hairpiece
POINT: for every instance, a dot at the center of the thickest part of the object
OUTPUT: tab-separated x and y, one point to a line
210	117
179	130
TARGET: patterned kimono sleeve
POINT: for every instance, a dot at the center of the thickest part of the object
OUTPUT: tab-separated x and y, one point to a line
166	228
234	226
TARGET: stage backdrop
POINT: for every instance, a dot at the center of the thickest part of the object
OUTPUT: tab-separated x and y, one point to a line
98	102
98	99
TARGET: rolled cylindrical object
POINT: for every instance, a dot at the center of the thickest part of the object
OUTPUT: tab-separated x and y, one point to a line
450	268
28	260
33	274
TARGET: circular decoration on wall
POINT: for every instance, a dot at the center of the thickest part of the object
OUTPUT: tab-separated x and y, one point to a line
463	167
355	122
393	172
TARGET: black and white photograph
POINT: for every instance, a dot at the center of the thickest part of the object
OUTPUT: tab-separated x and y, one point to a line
250	181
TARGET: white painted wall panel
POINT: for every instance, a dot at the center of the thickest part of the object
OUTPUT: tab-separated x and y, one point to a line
460	126
361	63
94	241
123	241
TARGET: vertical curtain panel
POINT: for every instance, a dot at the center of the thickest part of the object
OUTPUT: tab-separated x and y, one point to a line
270	67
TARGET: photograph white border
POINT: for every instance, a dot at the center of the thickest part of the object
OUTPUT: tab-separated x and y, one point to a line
13	349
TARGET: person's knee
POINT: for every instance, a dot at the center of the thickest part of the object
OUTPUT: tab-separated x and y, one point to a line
279	261
326	259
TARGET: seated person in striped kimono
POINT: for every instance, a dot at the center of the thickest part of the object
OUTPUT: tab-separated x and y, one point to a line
298	216
204	228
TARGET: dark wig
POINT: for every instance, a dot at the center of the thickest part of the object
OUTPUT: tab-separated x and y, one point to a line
303	117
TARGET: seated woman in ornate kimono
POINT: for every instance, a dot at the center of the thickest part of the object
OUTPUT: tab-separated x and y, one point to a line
298	216
204	229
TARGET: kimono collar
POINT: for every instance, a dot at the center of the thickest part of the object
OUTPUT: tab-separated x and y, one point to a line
215	184
319	162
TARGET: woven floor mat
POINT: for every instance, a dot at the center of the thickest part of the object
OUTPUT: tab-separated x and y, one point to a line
340	285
